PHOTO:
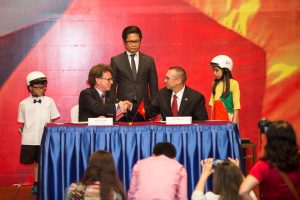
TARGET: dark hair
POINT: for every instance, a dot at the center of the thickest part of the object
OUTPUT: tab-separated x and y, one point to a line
42	81
227	180
281	149
97	71
181	72
102	168
131	29
164	148
224	79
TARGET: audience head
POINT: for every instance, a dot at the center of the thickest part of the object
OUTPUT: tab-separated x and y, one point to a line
281	149
227	180
164	148
132	37
100	76
175	78
102	168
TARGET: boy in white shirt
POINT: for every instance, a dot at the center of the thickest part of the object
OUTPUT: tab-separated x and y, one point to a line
34	113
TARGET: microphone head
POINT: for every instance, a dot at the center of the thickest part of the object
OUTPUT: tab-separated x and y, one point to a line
263	124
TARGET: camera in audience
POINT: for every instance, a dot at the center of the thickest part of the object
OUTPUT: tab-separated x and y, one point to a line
263	125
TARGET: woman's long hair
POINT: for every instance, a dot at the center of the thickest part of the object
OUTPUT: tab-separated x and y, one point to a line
227	180
102	168
225	80
281	149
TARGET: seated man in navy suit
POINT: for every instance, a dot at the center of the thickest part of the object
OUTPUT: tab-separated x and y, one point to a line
177	99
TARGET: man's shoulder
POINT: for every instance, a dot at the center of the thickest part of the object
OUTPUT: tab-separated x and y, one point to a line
145	55
118	56
87	90
165	90
192	91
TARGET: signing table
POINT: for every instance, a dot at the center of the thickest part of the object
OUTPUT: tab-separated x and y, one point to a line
66	148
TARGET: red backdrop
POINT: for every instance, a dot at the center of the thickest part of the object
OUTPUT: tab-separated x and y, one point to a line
65	41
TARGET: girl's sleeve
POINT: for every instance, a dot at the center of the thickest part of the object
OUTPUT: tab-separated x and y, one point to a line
236	95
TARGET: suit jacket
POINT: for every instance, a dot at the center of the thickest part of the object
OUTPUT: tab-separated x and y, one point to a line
91	105
192	104
125	87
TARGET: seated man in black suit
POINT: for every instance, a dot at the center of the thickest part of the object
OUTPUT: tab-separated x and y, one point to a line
96	101
176	99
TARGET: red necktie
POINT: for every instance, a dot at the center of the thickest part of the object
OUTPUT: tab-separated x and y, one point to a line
174	106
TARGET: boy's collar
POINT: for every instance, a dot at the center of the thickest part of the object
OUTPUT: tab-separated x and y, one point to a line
36	97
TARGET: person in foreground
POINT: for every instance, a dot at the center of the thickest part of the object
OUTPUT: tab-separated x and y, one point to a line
134	73
100	180
225	96
226	181
34	113
177	99
96	101
160	176
280	159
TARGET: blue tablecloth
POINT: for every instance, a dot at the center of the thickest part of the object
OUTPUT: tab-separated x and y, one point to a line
65	150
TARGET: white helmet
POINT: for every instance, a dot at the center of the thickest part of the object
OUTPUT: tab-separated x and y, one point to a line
222	61
35	77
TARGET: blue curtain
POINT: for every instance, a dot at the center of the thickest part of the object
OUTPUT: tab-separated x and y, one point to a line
66	149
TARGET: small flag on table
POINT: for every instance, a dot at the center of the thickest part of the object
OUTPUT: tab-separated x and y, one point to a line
119	113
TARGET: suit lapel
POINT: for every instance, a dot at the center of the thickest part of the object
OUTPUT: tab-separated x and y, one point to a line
141	64
127	64
184	101
96	94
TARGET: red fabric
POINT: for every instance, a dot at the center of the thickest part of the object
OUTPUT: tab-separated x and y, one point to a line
271	183
174	106
219	111
141	109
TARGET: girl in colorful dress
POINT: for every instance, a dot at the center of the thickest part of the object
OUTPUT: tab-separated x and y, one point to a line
225	96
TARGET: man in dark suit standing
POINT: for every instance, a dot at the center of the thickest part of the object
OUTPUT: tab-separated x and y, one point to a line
96	101
177	99
134	73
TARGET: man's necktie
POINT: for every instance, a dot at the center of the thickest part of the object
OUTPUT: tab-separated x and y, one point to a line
37	101
103	97
133	66
174	106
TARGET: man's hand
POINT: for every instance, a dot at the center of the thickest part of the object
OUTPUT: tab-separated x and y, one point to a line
125	105
129	105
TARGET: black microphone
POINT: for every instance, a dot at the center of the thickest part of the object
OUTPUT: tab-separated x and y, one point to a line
263	124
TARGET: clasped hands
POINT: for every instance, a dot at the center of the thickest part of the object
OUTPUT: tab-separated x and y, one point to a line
125	105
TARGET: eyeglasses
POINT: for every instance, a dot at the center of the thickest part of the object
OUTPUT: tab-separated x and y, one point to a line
168	78
39	87
108	79
133	41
